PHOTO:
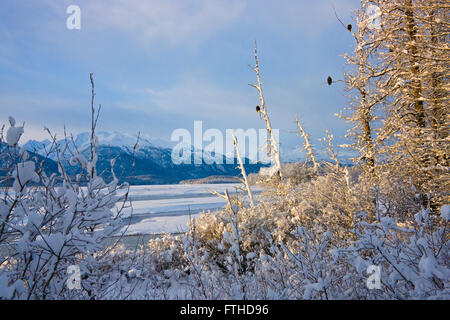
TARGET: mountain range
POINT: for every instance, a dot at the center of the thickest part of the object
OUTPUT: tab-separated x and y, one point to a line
150	163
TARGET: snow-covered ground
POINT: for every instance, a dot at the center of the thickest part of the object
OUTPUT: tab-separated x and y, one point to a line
168	208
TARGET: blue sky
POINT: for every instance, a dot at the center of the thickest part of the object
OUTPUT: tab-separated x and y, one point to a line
160	65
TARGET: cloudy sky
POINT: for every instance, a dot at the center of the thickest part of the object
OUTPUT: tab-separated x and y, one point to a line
161	64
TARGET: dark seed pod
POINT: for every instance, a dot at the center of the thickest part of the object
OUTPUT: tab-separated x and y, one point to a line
349	27
329	81
258	109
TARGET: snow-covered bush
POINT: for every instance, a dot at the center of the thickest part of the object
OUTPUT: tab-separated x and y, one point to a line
49	223
413	260
307	264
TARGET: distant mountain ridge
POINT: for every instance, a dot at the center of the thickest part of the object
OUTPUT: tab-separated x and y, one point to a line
82	141
48	165
152	164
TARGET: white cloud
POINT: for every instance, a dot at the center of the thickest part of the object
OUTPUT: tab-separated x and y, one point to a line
191	22
174	21
198	97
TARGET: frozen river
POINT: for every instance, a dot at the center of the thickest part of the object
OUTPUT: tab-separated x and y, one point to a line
168	208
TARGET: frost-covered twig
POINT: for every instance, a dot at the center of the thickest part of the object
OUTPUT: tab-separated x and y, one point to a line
274	149
308	146
242	168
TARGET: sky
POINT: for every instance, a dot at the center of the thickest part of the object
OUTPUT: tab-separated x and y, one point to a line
160	65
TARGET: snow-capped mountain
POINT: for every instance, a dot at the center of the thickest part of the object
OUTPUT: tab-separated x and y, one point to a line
37	146
82	141
152	163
